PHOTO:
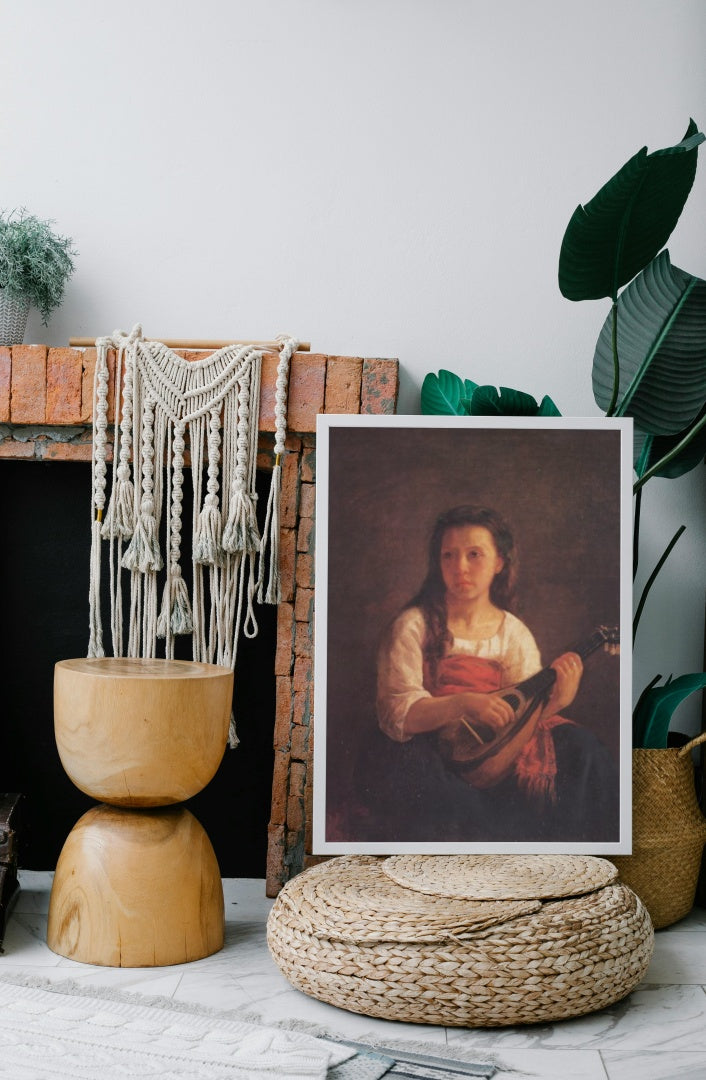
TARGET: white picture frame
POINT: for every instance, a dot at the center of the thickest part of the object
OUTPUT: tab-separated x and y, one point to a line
564	487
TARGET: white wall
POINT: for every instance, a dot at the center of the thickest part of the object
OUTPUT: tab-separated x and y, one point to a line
381	177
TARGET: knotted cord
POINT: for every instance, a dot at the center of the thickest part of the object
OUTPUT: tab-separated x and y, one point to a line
161	401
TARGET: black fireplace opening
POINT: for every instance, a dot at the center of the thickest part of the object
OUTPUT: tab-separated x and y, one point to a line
44	560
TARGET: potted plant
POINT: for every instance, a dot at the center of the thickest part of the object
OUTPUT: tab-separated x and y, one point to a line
35	264
649	364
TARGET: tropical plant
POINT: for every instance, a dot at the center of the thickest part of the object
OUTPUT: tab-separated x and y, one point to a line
655	335
653	713
650	358
446	394
35	263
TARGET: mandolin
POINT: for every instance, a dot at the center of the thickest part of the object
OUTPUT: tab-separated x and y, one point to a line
483	756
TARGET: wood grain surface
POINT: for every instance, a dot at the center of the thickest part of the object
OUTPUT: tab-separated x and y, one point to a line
142	733
136	888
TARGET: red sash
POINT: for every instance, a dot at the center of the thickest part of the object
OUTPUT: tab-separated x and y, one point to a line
535	767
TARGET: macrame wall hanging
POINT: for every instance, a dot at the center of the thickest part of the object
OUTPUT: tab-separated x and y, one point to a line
161	400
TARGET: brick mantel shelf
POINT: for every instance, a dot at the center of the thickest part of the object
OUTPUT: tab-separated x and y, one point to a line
46	399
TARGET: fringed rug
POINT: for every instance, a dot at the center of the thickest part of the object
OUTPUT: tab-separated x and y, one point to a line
65	1031
62	1030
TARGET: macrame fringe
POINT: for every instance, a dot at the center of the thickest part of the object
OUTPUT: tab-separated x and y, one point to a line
175	615
161	401
120	518
142	553
208	542
99	471
95	640
241	532
273	593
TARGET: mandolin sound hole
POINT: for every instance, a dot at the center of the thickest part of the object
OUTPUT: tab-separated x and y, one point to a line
513	701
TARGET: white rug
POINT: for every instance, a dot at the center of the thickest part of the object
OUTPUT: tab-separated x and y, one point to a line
65	1032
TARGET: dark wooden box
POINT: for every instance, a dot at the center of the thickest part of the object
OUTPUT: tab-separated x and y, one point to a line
10	832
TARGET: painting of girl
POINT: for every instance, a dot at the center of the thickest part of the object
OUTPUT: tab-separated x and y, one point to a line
466	575
451	647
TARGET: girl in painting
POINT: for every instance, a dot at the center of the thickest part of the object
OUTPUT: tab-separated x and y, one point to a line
455	643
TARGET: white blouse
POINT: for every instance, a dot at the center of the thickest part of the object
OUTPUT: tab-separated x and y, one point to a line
401	664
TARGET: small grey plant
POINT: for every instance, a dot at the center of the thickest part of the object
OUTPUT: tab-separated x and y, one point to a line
35	263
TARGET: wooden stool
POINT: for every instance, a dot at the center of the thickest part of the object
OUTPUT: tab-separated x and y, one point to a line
137	886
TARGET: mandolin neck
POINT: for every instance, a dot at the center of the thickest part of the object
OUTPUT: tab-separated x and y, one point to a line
539	684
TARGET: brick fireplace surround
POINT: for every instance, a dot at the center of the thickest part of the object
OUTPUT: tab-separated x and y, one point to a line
45	415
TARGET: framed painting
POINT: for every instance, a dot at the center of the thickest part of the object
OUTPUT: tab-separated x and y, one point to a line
473	584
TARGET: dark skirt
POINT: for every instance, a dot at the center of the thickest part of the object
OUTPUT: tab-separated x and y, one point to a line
404	793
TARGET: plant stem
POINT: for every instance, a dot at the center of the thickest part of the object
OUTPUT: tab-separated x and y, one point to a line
616	366
691	433
636	533
651	580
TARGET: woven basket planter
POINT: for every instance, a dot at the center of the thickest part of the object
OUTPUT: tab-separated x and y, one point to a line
433	959
669	832
13	319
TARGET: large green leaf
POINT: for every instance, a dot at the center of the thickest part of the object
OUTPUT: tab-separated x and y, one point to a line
661	343
610	239
649	450
445	394
653	713
489	401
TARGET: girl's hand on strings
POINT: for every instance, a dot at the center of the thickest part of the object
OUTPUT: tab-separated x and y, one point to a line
569	669
486	709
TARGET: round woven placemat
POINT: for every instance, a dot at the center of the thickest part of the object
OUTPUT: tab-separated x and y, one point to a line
500	877
360	903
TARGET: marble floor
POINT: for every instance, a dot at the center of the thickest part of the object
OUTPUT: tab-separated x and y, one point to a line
658	1033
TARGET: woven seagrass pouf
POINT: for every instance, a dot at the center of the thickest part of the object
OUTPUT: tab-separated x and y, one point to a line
374	936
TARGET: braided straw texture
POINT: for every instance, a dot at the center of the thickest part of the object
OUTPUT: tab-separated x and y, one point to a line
501	877
568	958
669	832
360	903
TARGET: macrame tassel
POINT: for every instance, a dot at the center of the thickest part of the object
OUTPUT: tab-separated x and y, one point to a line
208	549
233	740
143	552
120	517
241	532
99	469
273	593
208	540
175	614
95	640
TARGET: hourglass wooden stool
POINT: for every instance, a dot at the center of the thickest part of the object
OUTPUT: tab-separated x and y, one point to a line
137	883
